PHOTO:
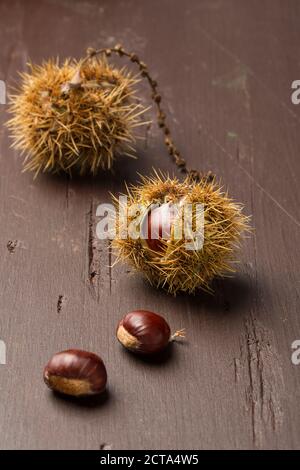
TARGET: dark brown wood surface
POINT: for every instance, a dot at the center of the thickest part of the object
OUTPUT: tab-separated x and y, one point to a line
225	69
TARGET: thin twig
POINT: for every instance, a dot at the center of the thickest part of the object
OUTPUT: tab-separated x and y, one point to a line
178	334
156	97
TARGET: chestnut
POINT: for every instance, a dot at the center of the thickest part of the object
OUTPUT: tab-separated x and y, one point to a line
145	332
75	372
157	226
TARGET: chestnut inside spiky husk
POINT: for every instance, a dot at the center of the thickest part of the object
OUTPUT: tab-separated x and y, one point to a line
171	265
74	117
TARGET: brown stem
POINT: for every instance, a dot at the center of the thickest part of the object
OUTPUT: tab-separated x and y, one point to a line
178	334
156	97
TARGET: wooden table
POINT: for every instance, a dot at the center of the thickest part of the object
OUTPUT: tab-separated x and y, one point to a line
225	69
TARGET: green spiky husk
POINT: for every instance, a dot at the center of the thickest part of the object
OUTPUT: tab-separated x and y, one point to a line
175	268
79	131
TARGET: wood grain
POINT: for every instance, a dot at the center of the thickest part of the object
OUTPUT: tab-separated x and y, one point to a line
225	68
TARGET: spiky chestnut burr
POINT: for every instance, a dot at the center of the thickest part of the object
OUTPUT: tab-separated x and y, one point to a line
44	152
166	262
76	372
76	117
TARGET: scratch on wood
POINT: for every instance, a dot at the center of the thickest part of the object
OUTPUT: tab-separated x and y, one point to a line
265	381
105	446
92	258
98	257
60	303
12	245
236	365
110	265
90	240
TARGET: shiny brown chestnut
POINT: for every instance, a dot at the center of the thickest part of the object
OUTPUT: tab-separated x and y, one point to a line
145	332
156	226
75	372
